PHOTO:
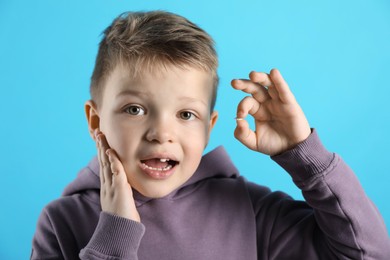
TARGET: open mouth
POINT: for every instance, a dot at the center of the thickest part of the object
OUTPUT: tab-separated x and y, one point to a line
158	164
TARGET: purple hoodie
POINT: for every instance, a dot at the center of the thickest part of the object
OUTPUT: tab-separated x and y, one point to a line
217	214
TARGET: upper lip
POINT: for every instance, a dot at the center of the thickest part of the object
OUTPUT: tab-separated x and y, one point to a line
163	155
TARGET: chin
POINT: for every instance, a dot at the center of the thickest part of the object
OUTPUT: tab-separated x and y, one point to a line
149	189
154	193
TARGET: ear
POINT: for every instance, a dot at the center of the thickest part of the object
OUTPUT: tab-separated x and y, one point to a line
92	117
213	120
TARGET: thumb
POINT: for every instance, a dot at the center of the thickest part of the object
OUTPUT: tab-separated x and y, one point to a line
244	134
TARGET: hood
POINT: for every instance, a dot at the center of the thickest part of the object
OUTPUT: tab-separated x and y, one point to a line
215	164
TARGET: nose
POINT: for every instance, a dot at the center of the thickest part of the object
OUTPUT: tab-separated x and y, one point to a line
160	131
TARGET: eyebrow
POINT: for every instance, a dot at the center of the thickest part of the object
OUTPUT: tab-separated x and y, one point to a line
130	92
190	99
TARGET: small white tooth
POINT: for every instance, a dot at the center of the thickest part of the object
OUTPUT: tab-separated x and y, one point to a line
168	167
164	160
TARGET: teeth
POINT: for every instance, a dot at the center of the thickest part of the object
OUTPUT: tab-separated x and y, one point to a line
157	169
164	160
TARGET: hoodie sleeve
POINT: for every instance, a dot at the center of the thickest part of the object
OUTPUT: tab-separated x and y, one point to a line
115	238
338	220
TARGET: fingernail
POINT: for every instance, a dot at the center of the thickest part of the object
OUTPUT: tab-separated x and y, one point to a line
96	131
239	118
108	152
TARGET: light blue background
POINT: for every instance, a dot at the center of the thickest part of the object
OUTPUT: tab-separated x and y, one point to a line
334	54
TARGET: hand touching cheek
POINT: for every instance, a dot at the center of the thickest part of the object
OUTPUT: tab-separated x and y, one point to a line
116	195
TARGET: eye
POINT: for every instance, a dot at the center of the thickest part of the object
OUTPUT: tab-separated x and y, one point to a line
187	115
135	110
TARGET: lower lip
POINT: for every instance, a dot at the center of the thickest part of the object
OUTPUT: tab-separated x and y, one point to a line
158	175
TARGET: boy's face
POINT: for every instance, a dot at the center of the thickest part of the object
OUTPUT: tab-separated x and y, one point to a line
158	124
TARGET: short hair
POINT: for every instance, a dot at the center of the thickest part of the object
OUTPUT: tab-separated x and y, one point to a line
146	41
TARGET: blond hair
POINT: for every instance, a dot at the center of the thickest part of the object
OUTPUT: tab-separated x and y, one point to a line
146	41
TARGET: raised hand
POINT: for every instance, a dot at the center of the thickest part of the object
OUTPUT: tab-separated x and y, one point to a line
279	120
116	195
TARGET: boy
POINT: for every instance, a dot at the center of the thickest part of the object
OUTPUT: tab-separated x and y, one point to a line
150	194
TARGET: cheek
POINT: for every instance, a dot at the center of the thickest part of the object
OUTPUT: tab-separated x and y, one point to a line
115	142
120	138
195	142
206	133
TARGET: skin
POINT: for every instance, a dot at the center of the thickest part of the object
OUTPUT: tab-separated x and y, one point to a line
159	115
280	124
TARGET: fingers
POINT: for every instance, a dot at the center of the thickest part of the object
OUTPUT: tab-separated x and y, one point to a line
263	86
116	196
104	163
118	172
281	87
251	106
98	155
245	135
253	88
111	167
260	78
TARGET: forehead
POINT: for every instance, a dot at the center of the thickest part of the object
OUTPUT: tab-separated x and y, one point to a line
185	80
